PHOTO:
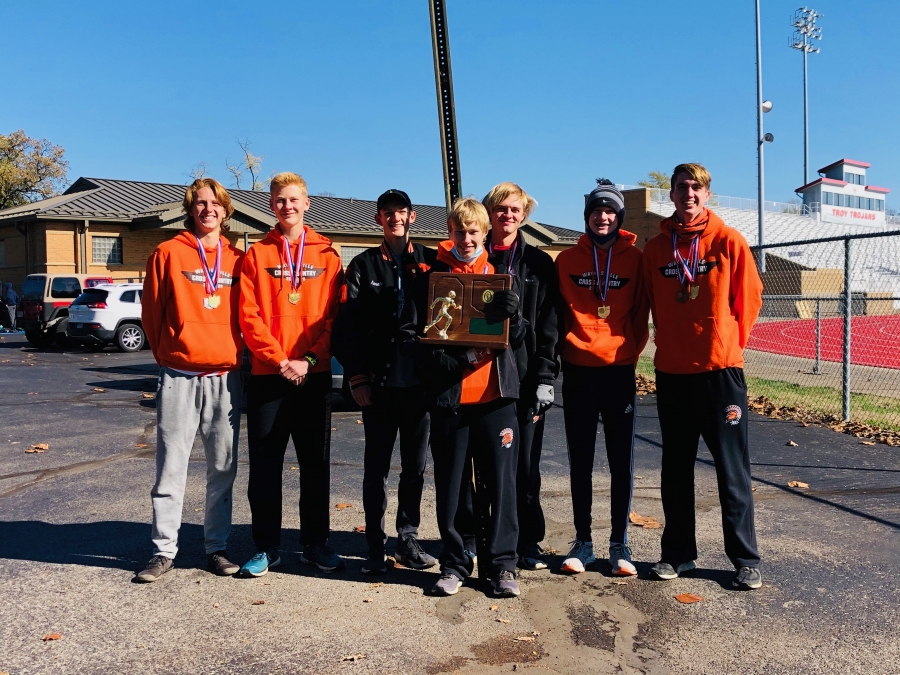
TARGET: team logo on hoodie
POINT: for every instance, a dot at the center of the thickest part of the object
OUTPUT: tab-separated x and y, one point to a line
309	272
671	270
732	414
587	280
506	438
197	277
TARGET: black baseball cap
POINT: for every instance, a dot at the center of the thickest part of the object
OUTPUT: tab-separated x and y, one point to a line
393	196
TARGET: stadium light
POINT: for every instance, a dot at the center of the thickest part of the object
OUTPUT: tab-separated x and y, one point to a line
766	106
805	30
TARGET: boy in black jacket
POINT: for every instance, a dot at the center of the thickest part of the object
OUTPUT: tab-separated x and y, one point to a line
383	381
534	281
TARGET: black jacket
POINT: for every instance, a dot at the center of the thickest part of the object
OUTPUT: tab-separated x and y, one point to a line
442	369
534	280
366	332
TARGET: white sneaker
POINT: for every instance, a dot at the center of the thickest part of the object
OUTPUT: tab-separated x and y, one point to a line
620	560
580	556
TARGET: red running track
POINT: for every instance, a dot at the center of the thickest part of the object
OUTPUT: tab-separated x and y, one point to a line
874	340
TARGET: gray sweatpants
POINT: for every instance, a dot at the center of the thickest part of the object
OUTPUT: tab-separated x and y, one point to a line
184	406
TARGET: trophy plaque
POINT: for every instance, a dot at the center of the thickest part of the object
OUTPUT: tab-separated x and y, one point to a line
456	310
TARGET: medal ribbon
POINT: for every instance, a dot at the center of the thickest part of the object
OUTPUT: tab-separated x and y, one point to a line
601	292
210	277
512	256
687	269
295	267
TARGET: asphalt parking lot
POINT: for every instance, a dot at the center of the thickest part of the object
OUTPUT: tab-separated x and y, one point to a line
74	526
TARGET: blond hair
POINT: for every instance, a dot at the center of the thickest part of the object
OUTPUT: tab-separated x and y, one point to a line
502	191
697	172
467	211
190	196
286	178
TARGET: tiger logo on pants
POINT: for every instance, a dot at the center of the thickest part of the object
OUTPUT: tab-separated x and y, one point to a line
506	438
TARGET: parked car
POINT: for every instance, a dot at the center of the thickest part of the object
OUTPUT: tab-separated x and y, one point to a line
43	310
108	314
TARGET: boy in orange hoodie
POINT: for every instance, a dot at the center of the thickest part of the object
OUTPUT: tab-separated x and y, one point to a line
190	316
290	288
605	314
705	294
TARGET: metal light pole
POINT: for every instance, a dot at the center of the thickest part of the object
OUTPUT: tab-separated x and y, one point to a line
761	140
804	23
443	79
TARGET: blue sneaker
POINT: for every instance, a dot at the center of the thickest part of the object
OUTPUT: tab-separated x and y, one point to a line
322	557
260	563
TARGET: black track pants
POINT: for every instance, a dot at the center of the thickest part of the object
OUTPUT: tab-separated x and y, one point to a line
278	410
490	433
394	410
712	405
608	393
528	481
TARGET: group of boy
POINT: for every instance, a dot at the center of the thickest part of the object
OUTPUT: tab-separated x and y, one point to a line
482	411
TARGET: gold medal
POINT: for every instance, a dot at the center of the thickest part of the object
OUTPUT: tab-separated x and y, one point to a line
603	311
487	296
211	301
294	297
695	291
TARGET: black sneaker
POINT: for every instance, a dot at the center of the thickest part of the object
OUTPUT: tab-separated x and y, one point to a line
322	557
219	564
158	565
747	579
665	571
410	553
531	558
375	564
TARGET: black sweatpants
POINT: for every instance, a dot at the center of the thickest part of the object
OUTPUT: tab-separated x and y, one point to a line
532	527
712	405
394	410
489	432
278	410
608	393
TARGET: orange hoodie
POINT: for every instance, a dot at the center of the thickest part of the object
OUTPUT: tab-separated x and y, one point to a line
618	338
182	333
274	328
482	383
711	331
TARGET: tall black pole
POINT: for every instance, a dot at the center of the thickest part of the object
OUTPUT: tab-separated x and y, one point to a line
443	79
760	144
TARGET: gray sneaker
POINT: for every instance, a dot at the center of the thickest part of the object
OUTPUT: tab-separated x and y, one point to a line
665	571
158	565
580	556
448	584
620	560
747	578
505	585
410	553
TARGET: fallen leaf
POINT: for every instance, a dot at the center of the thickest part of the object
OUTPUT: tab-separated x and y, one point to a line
99	389
376	584
37	447
644	521
334	428
196	510
52	636
639	478
619	582
792	444
753	489
343	505
294	468
494	608
798	484
867	442
535	632
369	600
501	620
688	598
359	421
147	395
140	445
258	602
525	638
359	528
353	657
216	605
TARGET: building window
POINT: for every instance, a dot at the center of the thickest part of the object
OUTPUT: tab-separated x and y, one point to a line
828	198
879	205
107	250
348	253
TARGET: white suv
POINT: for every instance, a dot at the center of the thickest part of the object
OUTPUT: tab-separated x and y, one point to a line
106	314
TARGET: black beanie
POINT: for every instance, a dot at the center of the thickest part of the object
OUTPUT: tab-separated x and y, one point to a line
605	194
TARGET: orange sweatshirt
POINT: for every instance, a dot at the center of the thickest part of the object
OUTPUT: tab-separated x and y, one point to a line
482	384
182	333
590	339
274	328
711	331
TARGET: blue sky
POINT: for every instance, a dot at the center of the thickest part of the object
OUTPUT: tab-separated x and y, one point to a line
550	95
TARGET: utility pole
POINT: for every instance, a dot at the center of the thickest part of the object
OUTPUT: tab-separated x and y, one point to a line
760	141
443	79
804	23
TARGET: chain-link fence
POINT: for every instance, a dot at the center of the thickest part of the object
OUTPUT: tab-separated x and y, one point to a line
823	345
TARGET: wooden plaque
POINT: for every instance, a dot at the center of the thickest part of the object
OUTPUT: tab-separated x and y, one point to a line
468	327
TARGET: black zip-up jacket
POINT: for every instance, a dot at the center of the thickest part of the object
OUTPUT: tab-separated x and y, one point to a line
366	334
442	369
534	280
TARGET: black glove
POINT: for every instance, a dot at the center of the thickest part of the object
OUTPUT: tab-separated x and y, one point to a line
504	305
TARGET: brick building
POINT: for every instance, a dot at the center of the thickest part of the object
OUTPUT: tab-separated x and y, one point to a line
109	227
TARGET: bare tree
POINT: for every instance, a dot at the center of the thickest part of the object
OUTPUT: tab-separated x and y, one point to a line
252	164
199	171
325	193
236	171
657	179
30	169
